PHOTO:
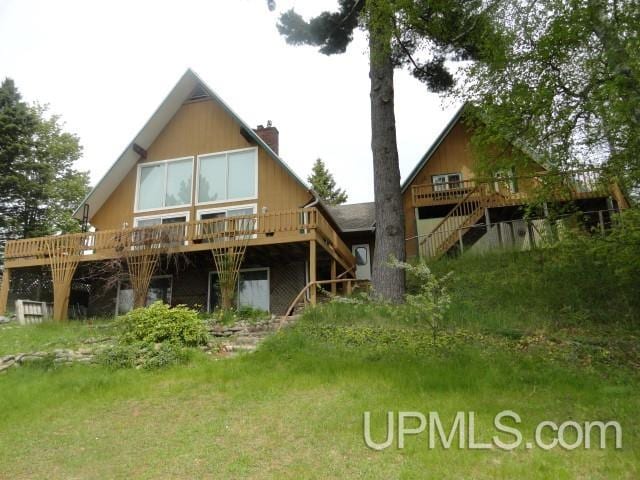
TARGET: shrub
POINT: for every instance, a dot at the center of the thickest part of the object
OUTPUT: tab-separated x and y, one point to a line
159	323
431	300
143	355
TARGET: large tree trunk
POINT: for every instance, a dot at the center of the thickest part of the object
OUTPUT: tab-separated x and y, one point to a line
388	282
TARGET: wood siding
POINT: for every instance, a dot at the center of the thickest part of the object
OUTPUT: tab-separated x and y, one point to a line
454	155
198	128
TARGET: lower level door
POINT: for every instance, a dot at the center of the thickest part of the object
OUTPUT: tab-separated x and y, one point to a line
363	261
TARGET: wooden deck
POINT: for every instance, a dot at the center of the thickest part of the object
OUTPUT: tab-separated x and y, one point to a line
290	226
517	190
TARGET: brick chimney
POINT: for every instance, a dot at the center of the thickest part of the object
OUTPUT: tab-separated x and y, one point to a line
270	135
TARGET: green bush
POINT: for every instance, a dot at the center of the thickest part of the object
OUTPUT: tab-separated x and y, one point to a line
143	355
159	323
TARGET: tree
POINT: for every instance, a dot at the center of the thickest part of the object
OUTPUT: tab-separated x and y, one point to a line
39	186
324	185
567	87
422	35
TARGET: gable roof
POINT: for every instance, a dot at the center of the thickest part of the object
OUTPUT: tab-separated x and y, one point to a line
190	85
354	217
433	148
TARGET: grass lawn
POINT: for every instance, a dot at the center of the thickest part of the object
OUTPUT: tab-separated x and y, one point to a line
294	409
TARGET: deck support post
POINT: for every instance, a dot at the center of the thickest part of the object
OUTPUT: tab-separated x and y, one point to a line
460	241
312	272
4	290
334	286
601	221
532	242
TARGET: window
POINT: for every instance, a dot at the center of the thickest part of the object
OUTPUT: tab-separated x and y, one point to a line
447	181
220	228
161	219
164	184
169	236
159	289
253	289
361	256
227	176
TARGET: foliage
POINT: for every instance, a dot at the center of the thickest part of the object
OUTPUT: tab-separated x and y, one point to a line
39	186
154	337
431	300
421	35
606	266
584	278
143	355
324	185
568	87
230	316
161	323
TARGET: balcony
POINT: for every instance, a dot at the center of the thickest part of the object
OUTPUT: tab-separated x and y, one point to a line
517	190
298	225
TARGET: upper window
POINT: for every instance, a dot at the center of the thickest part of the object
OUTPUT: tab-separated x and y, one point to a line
447	181
164	184
228	176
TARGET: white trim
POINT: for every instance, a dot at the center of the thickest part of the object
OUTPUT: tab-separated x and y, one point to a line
199	213
225	210
141	165
367	273
162	216
447	183
152	278
226	153
254	269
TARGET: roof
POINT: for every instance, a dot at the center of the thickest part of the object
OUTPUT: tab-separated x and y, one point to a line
434	147
181	92
355	217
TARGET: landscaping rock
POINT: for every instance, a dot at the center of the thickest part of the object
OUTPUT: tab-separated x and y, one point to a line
4	319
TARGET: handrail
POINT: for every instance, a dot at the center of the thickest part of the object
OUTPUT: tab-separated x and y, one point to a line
458	215
317	283
182	236
580	183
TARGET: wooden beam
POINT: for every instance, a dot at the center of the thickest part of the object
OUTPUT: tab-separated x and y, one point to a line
312	272
4	290
333	276
139	150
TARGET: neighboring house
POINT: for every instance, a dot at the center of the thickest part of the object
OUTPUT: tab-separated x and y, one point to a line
448	207
195	166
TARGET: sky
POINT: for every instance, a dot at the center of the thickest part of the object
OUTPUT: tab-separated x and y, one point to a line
105	66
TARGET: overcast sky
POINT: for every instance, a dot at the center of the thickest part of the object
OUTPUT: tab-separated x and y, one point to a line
106	66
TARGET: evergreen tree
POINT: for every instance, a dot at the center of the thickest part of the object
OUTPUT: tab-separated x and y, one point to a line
324	185
38	185
422	35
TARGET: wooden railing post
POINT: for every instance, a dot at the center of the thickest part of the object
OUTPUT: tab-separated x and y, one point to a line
4	290
334	290
312	272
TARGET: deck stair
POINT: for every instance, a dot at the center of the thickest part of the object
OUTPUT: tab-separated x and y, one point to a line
458	222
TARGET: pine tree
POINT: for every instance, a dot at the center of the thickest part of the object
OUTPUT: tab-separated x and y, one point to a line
399	33
38	185
324	185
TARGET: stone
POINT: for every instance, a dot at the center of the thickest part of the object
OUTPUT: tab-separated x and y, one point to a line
4	319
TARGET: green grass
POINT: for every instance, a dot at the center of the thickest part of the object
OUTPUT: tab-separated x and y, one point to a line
49	336
294	409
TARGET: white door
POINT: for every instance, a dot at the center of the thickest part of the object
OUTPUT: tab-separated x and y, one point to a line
363	261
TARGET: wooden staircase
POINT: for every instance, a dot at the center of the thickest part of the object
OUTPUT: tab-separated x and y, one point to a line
468	211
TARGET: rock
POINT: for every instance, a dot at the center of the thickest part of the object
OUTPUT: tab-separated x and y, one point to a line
4	319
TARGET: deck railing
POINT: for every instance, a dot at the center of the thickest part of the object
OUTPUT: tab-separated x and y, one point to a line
517	189
263	228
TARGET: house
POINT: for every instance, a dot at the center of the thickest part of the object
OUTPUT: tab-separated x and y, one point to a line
197	180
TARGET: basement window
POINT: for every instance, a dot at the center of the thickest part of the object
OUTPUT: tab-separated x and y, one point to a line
159	289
